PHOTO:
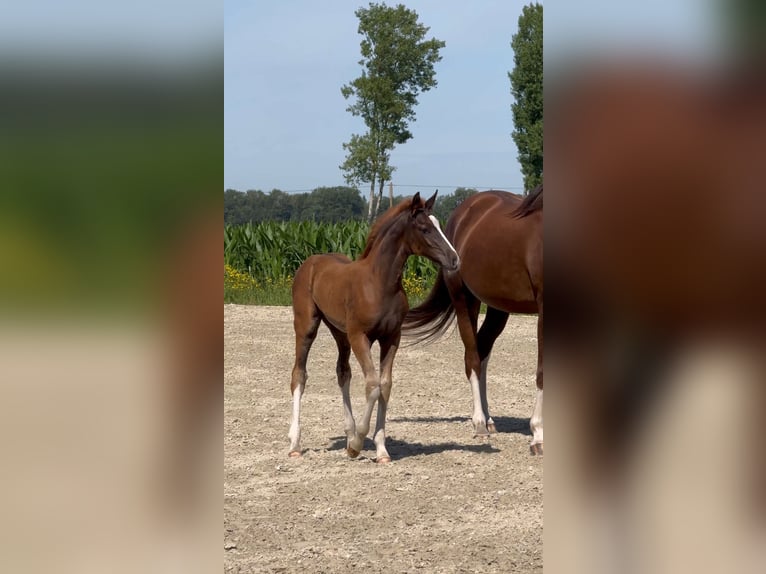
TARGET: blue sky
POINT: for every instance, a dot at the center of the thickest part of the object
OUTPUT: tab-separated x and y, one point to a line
285	61
285	118
690	30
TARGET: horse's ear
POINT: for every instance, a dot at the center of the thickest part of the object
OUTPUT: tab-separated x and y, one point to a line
415	204
430	201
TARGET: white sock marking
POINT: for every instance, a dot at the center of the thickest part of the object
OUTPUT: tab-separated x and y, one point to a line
478	413
295	429
536	422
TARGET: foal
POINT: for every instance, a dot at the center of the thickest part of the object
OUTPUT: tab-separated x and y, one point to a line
362	302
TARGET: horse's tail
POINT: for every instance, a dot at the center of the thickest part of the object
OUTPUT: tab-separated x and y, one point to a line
431	319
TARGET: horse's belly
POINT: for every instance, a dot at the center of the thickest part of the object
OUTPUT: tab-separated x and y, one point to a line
507	289
510	305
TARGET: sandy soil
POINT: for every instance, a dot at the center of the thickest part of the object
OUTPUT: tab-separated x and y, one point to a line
447	502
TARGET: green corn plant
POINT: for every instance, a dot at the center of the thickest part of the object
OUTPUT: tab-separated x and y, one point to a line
275	250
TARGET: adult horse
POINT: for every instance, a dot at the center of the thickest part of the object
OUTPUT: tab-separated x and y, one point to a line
499	237
362	302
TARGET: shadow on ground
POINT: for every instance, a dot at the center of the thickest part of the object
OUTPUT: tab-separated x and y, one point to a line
399	449
514	425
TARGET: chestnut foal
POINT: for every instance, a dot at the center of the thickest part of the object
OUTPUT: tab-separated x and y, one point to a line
362	302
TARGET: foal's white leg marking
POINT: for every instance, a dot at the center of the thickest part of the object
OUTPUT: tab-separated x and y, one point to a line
439	229
294	434
479	422
536	422
483	388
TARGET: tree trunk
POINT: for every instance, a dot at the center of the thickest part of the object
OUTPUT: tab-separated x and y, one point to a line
381	183
390	194
371	206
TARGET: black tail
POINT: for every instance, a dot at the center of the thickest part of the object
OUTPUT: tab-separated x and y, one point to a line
532	202
431	319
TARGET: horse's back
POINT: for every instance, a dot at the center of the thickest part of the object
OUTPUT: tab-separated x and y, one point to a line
316	266
501	254
481	205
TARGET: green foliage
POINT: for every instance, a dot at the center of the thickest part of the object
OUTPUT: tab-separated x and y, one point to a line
398	64
262	258
367	160
239	287
330	204
527	91
324	204
276	249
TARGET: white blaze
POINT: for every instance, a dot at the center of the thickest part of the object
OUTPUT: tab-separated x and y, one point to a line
439	229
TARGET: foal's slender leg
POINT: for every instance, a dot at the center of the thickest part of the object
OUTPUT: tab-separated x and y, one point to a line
493	325
360	344
467	311
306	323
388	349
536	421
343	370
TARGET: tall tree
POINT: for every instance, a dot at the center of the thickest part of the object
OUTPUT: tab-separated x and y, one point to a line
527	91
336	204
398	64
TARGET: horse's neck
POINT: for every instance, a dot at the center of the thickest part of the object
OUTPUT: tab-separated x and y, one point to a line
388	256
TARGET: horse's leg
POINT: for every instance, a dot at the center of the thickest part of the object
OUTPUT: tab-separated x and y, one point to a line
360	344
467	312
388	349
536	421
343	370
306	323
493	325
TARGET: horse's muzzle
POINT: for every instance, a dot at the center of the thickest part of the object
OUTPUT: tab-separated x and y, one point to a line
454	264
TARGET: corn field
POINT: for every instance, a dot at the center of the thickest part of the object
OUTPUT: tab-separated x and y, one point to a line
272	251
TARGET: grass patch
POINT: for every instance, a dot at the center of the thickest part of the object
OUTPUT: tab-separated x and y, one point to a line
270	295
243	289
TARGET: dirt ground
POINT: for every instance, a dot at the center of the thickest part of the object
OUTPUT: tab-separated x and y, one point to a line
446	503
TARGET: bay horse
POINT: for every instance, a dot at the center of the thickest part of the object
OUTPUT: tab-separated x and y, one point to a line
499	238
361	302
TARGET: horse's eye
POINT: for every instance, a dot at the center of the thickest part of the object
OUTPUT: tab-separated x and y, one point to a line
426	230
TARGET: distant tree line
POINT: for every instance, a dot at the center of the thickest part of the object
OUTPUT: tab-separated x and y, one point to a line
330	204
325	204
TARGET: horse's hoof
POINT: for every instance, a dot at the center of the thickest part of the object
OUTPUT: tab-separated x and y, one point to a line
294	454
352	453
383	459
536	449
491	428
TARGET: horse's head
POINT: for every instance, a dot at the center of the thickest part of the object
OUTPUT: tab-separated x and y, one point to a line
425	237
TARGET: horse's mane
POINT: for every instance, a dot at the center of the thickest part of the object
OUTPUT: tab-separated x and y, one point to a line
531	203
383	224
